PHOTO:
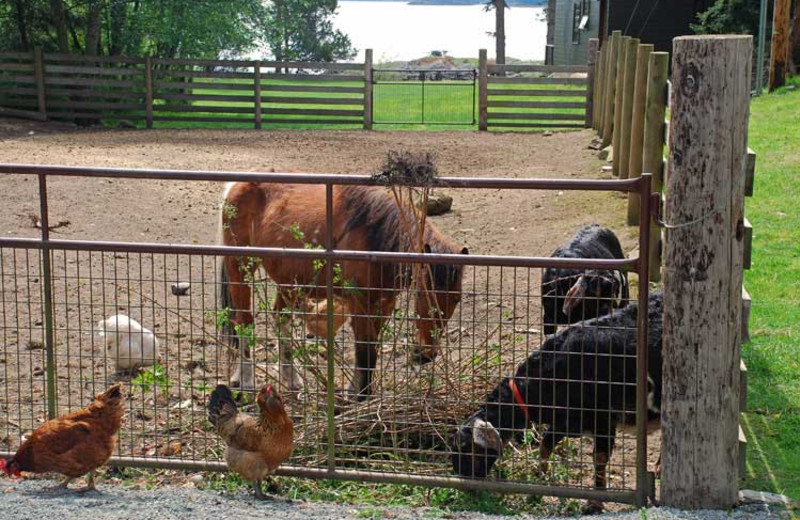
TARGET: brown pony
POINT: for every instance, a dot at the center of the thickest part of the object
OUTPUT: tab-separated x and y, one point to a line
365	219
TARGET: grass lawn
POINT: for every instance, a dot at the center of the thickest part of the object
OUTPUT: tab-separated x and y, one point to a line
772	423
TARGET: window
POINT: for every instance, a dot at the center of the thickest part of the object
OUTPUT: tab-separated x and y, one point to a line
580	19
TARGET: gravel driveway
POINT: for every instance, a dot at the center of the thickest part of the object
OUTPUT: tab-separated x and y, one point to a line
29	500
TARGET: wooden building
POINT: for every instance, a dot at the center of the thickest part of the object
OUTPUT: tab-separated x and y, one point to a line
653	21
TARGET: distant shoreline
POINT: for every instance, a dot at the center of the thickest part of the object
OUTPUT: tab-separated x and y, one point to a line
511	3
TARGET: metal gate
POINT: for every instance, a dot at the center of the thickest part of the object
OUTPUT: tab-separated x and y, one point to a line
54	291
424	96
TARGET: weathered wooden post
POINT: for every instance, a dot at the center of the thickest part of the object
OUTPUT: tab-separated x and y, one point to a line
148	91
608	90
637	130
619	97
703	273
368	89
598	91
623	157
257	93
483	90
653	146
591	62
38	73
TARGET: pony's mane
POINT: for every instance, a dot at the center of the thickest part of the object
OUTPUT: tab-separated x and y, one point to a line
375	209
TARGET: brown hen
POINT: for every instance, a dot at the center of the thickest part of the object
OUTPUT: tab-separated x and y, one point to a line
73	445
256	445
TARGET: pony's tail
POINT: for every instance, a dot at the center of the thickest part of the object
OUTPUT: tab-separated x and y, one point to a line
225	300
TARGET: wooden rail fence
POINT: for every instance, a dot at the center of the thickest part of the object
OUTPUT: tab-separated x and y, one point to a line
631	93
535	96
154	90
162	92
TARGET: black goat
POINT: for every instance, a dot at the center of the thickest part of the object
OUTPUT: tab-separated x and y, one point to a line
581	382
572	295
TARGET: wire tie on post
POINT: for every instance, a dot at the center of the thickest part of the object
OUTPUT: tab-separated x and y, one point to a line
665	225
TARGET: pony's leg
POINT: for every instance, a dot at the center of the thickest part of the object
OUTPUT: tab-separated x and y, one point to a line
366	329
239	292
289	375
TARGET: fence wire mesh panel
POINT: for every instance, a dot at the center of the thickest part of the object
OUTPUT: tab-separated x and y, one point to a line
424	96
387	398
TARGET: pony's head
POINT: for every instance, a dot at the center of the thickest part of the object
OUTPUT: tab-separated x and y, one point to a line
437	299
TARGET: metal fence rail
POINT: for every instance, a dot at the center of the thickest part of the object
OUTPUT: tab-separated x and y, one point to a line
53	293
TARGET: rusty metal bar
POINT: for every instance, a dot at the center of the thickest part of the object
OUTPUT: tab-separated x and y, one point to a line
642	482
625	185
331	340
626	497
47	282
365	256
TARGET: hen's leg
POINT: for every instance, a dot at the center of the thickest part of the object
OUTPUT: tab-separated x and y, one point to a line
64	483
259	492
89	484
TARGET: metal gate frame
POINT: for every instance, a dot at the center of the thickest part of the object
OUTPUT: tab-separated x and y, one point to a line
640	265
423	74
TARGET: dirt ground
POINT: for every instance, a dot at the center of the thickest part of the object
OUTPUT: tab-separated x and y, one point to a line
487	221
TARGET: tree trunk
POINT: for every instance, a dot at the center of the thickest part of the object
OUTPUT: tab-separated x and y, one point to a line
794	39
93	28
60	22
551	22
500	31
779	56
22	26
117	24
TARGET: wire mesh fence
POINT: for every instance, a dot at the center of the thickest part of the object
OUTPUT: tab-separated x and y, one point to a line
424	96
176	352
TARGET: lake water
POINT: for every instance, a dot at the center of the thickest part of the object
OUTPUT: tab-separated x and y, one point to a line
398	31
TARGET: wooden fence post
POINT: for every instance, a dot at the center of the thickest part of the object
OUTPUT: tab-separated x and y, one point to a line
653	144
483	91
608	91
598	91
605	53
257	93
591	62
703	275
148	93
637	131
624	155
619	97
38	73
368	89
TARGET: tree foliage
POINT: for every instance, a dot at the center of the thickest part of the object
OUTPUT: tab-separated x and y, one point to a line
730	16
293	29
301	30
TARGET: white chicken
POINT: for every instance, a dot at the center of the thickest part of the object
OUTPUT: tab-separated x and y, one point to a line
130	345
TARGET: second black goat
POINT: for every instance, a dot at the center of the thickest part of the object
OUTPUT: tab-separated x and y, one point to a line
572	295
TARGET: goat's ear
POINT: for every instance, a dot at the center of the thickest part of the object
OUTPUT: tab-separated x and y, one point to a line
464	250
426	248
486	436
574	295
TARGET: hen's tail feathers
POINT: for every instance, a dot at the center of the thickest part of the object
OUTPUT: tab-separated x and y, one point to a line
114	393
221	405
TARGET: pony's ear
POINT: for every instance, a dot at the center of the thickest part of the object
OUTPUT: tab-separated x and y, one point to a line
426	248
464	251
